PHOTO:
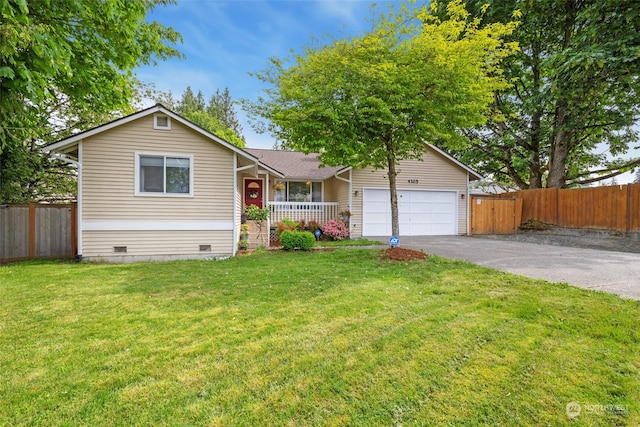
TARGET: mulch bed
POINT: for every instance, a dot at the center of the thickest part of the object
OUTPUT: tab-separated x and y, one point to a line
401	254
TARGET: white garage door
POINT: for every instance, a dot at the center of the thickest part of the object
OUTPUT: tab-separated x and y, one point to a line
421	213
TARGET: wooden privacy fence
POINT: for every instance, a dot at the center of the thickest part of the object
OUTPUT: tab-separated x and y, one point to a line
37	231
495	215
610	208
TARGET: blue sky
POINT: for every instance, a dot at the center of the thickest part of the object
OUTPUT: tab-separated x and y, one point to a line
223	41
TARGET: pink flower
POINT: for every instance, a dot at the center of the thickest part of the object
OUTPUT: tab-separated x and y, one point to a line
336	229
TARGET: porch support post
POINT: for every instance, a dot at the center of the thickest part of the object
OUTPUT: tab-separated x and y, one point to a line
266	205
234	246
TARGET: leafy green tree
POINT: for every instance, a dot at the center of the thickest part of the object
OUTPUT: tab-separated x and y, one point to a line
63	66
568	117
373	100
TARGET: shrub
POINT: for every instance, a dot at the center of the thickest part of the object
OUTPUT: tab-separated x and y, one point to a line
291	239
313	226
286	224
336	229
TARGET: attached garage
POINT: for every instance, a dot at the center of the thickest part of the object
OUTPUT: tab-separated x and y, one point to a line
421	212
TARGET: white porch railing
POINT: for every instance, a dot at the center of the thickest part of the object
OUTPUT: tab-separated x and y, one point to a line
309	211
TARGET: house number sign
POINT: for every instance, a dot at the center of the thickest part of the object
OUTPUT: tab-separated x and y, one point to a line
412	181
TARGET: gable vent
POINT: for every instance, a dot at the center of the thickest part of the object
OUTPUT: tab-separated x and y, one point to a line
120	249
160	121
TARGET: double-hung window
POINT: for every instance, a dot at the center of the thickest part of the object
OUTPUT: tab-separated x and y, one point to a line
164	174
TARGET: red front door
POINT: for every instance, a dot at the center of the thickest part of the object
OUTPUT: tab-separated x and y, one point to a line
253	192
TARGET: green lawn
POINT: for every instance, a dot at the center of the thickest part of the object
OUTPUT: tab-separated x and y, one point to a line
320	338
350	242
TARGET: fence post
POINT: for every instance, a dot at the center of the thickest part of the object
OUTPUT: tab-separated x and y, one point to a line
557	213
32	230
628	218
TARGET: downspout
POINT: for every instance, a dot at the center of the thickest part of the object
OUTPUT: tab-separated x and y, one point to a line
78	165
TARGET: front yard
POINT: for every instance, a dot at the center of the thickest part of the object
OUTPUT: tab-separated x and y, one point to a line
324	338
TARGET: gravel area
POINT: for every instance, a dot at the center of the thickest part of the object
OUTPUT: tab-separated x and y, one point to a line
577	238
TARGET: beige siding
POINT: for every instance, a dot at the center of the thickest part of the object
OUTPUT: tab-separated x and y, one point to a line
330	189
336	190
108	183
434	172
154	244
342	191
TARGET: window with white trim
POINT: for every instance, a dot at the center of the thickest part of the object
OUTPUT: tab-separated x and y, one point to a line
300	191
159	174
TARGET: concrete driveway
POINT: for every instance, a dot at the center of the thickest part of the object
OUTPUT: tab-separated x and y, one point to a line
613	272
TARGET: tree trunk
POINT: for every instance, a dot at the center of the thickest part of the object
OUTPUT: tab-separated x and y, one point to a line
559	149
393	174
561	135
535	173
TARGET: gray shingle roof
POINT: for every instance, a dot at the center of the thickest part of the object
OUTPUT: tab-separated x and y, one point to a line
293	164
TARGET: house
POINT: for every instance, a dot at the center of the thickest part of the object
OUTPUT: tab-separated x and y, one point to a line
154	186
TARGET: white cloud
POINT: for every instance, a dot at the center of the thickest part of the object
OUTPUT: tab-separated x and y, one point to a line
225	40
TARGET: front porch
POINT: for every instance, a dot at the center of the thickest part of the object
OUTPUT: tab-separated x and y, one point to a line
319	212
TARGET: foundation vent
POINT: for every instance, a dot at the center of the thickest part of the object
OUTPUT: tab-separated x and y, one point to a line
205	248
120	249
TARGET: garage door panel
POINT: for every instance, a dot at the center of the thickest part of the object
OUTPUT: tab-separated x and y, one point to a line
421	212
378	206
373	195
379	226
420	208
418	229
443	208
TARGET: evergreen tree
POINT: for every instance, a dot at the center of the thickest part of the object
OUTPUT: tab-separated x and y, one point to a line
189	102
219	117
222	106
200	103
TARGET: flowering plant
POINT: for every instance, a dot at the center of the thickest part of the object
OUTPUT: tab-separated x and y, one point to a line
286	224
336	229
